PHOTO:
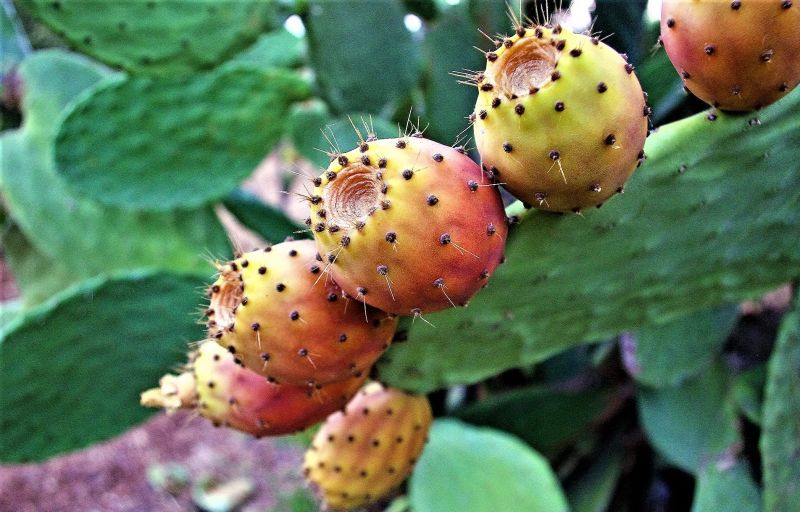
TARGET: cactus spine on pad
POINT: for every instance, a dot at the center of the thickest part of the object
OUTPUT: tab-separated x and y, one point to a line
560	118
282	318
367	450
738	55
408	225
229	395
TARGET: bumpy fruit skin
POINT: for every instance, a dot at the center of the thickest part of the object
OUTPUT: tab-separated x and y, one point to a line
283	319
735	55
560	119
408	225
227	394
363	453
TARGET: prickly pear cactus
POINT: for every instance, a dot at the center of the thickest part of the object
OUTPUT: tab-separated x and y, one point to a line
408	225
227	394
276	311
365	451
560	118
130	168
738	55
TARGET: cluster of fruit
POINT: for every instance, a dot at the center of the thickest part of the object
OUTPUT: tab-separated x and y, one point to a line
408	226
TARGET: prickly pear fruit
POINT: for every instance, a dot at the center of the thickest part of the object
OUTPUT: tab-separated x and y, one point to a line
283	319
560	119
227	394
734	55
364	452
408	225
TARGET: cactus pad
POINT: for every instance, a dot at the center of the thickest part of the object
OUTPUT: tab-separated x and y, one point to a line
26	264
157	144
381	61
780	434
459	455
314	131
62	376
156	36
81	234
694	423
269	222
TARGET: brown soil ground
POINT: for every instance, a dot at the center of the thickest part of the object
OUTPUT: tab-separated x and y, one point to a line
113	476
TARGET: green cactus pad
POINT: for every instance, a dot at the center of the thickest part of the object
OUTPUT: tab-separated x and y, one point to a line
156	37
9	310
620	24
36	276
381	61
277	49
80	234
726	486
491	16
305	126
155	144
447	101
780	434
667	354
711	218
693	424
268	222
458	455
61	377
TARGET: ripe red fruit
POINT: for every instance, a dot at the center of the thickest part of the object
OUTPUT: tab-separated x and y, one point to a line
735	55
408	225
232	396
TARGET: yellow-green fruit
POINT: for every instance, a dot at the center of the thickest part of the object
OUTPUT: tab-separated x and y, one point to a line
561	118
363	453
282	318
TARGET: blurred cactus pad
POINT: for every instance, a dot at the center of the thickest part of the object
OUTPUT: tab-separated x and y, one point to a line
144	140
